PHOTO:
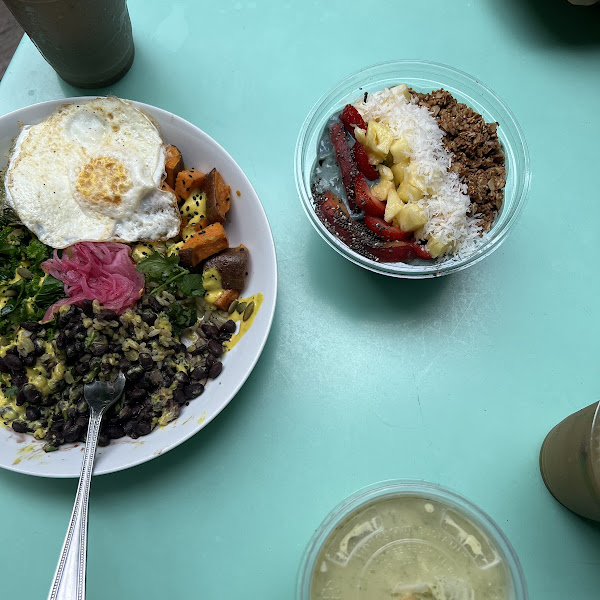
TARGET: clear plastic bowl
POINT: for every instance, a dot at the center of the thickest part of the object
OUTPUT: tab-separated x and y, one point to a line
422	76
368	547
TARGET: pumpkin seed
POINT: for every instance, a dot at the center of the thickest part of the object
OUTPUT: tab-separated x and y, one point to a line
249	310
241	307
232	307
24	273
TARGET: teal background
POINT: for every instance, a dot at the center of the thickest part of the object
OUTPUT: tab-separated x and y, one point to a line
363	378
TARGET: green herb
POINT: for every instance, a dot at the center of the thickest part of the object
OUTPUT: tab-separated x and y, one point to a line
181	316
170	275
25	299
89	339
37	252
11	391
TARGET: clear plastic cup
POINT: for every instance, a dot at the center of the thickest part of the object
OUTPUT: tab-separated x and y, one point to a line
408	540
570	462
88	43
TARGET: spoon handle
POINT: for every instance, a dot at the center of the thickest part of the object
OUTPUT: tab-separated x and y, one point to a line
69	578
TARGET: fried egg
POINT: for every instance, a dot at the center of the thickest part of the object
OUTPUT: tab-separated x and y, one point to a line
92	172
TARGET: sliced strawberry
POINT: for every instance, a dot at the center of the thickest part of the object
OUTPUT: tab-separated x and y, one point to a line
394	252
386	231
362	162
345	162
365	200
422	252
399	252
351	118
334	211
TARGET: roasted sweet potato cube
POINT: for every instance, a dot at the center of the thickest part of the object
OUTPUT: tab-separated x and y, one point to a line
227	297
167	188
203	244
173	165
217	197
188	180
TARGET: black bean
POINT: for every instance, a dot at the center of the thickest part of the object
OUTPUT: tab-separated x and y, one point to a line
39	348
167	381
137	394
129	426
154	304
81	368
125	413
224	337
103	440
228	327
210	360
13	350
134	373
19	426
143	428
146	362
144	383
106	314
29	360
3	367
32	413
20	397
71	412
80	348
215	370
149	317
215	348
13	363
199	348
87	306
193	390
199	373
31	393
71	351
181	377
19	379
70	333
61	340
124	364
82	421
211	331
72	433
32	326
115	432
136	408
179	396
98	347
80	336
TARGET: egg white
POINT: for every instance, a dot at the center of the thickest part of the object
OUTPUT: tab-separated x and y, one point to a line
92	172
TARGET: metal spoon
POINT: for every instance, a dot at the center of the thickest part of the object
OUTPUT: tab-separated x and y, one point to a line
69	579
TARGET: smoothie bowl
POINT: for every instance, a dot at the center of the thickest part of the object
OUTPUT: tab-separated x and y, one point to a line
409	540
412	169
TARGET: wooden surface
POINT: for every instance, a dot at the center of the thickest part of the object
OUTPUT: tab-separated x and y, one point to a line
10	36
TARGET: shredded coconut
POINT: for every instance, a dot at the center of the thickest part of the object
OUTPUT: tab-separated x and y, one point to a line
447	204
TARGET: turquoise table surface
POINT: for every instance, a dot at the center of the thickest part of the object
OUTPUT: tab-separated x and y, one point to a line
363	378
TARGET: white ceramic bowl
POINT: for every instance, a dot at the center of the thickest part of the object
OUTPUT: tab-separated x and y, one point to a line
247	224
